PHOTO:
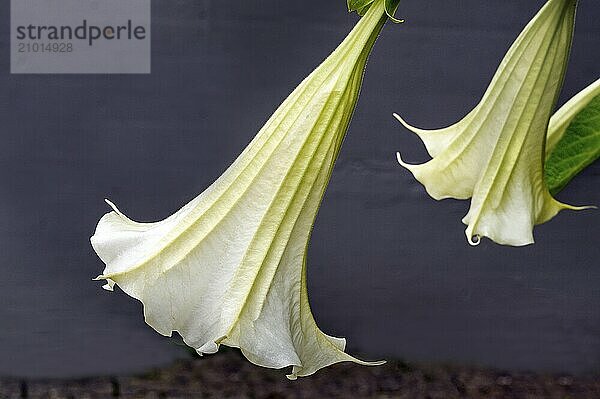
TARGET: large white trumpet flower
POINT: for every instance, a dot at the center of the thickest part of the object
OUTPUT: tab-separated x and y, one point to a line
230	266
495	155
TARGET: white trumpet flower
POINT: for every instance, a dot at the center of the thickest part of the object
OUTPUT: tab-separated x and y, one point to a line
495	155
230	266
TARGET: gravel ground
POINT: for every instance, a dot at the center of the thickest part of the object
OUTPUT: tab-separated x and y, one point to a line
228	375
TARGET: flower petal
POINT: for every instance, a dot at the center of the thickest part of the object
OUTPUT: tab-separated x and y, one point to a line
495	154
230	266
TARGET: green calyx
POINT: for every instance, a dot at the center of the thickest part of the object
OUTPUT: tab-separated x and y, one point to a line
361	7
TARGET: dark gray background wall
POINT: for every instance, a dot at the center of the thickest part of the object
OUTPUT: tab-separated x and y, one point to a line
389	268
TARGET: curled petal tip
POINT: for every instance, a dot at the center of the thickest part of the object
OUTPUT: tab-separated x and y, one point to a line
396	20
473	239
399	158
110	284
423	134
579	208
113	206
400	161
408	166
209	348
292	377
399	118
406	124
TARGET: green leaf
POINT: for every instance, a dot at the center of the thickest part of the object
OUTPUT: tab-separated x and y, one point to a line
577	149
361	7
390	8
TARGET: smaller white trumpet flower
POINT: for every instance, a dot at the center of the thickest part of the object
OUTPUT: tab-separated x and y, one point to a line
230	266
495	155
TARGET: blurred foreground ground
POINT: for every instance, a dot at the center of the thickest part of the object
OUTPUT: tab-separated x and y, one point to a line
228	375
